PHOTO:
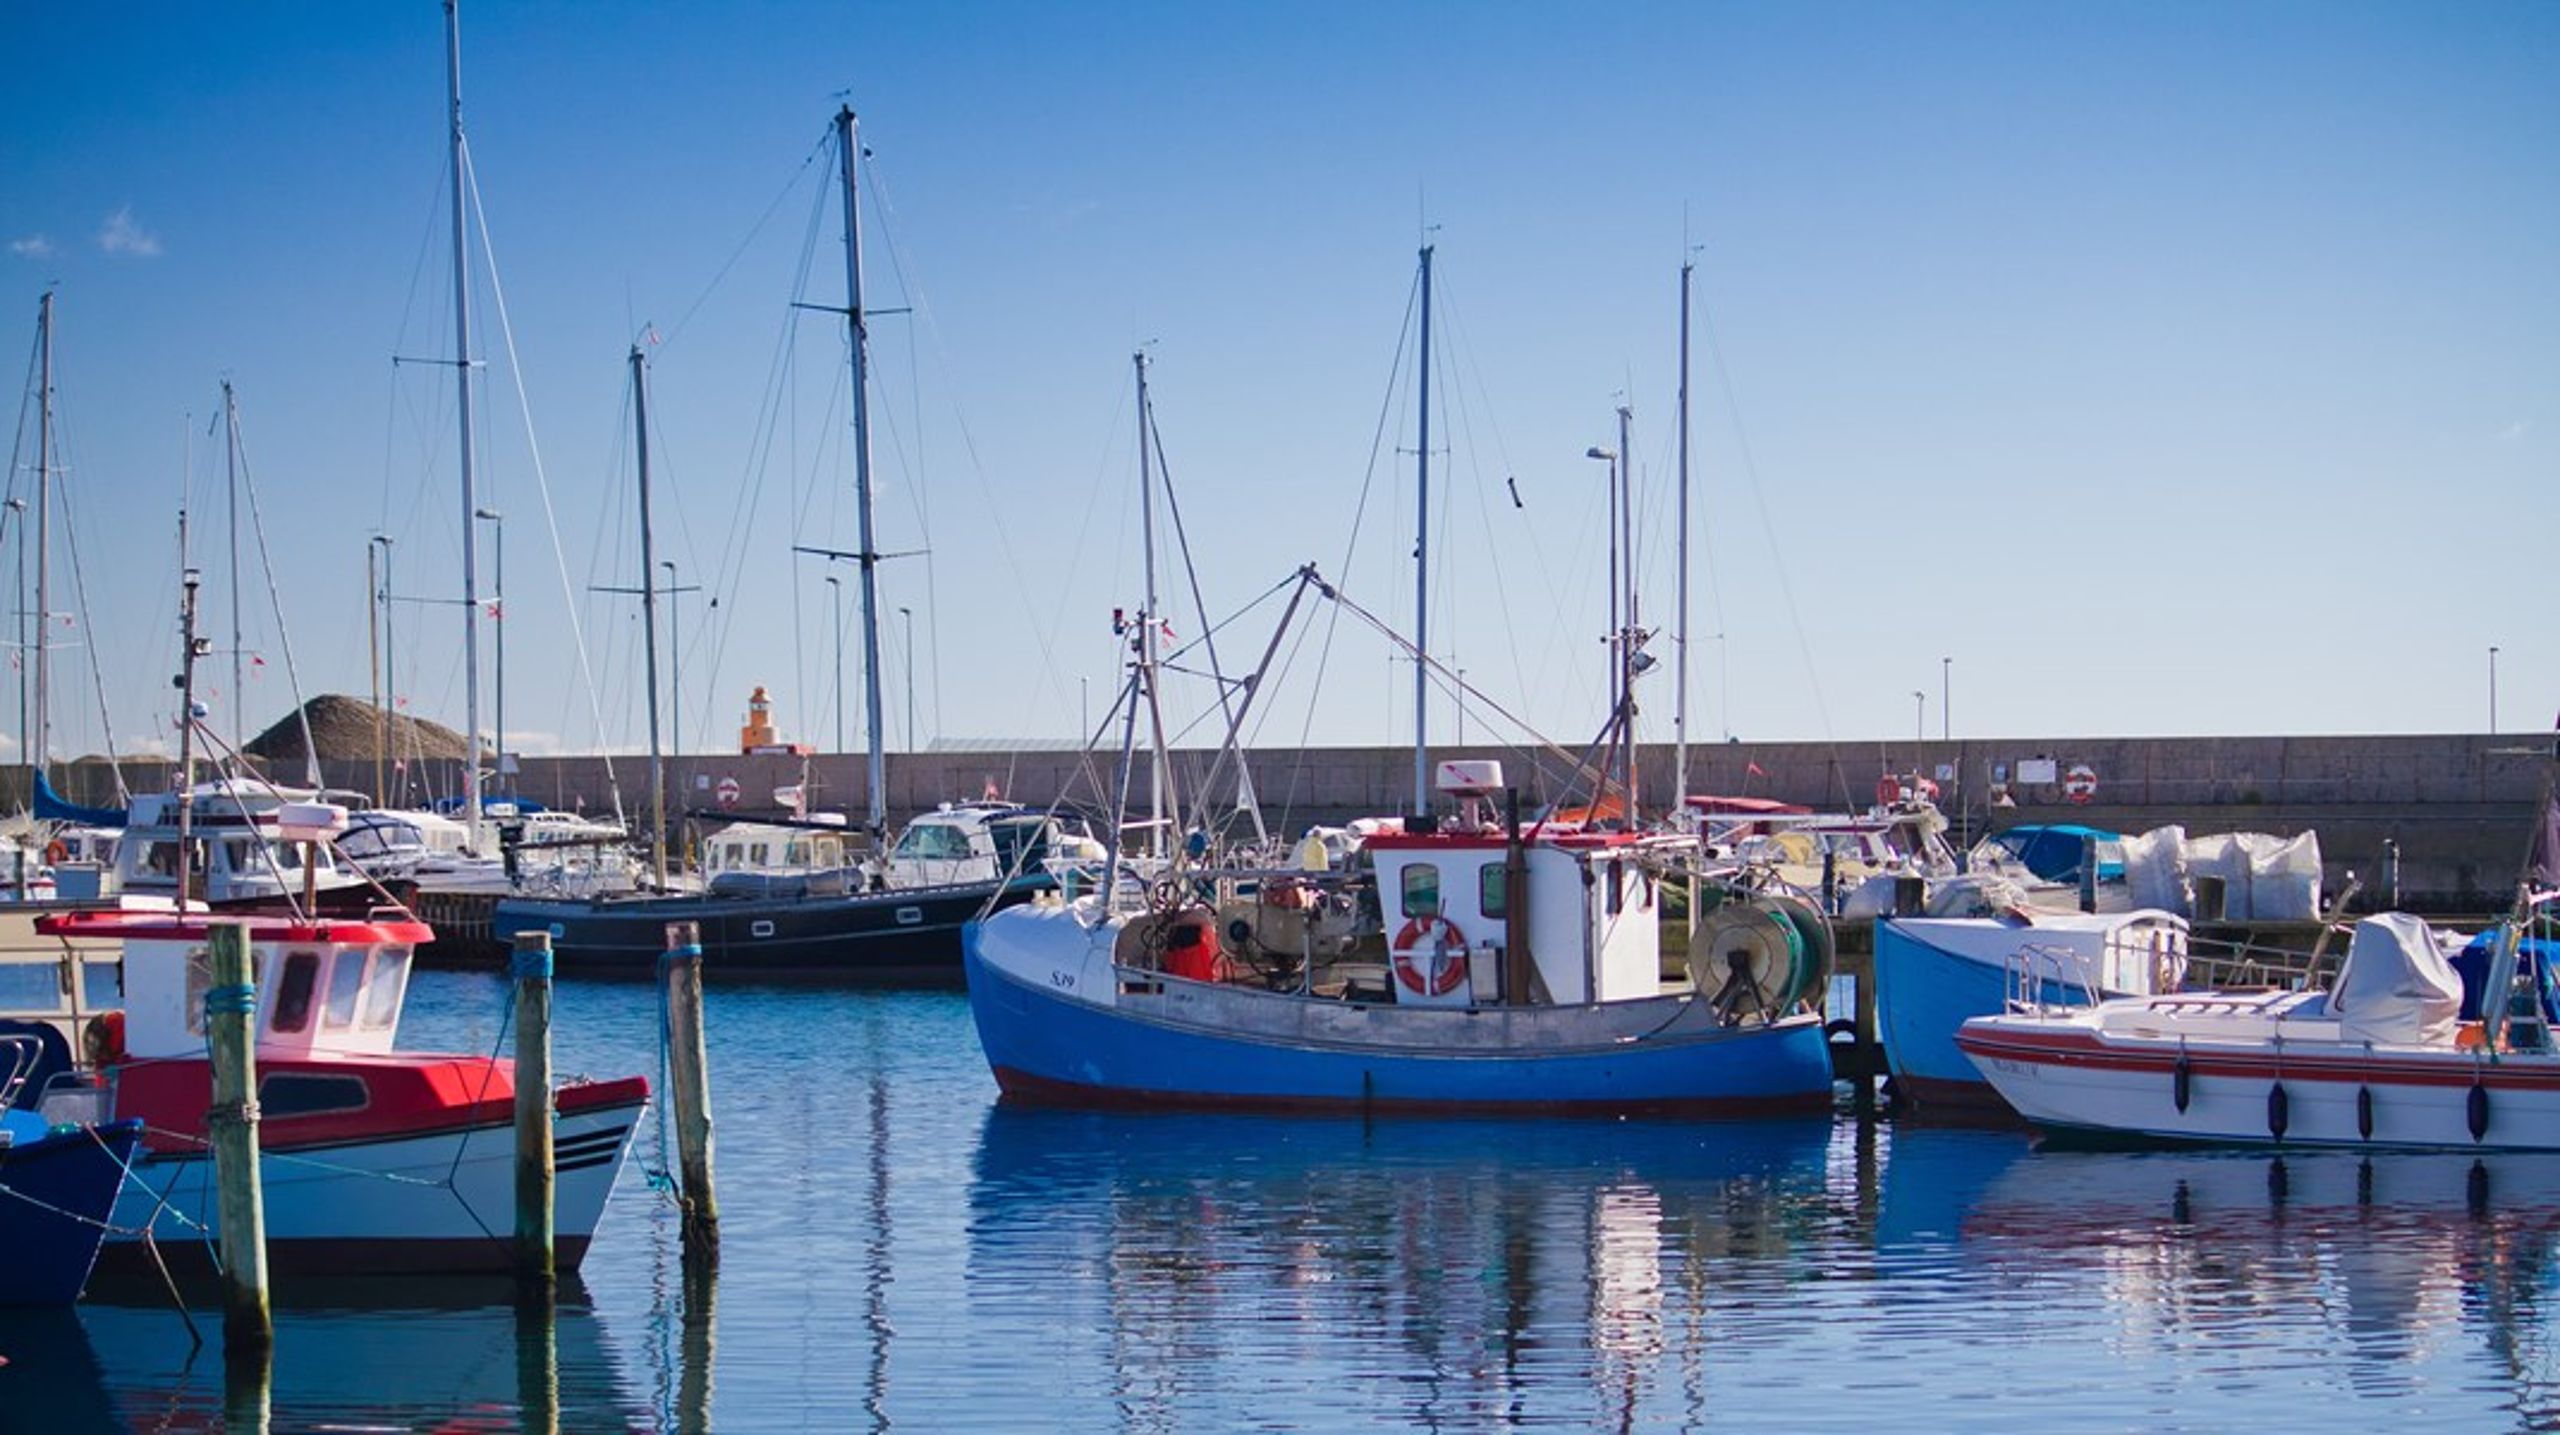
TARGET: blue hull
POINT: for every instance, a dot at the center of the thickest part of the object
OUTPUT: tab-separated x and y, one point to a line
1923	994
1049	1049
55	1195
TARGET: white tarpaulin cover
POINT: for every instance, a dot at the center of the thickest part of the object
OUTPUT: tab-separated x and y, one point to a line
2155	870
2396	985
2265	878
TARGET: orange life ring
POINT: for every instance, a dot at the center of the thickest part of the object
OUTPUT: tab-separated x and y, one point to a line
55	852
1442	945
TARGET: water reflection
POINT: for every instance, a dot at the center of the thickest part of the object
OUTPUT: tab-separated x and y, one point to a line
446	1351
2380	1268
1474	1266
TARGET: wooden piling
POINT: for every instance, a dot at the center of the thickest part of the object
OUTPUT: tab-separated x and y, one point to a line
535	1261
689	1084
2088	874
231	1018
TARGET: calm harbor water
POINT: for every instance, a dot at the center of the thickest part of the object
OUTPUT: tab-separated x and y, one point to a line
897	1250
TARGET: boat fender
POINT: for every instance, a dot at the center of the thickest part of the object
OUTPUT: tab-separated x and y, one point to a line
2364	1112
2181	1083
2476	1110
1444	956
2279	1113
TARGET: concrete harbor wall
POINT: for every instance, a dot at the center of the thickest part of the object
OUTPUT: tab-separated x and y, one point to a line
2457	807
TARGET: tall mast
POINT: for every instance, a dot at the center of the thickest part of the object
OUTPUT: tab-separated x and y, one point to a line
42	747
1422	561
231	490
1627	638
649	618
1149	655
1680	635
470	497
876	813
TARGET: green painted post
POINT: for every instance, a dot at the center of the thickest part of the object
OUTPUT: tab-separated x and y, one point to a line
534	1191
231	1016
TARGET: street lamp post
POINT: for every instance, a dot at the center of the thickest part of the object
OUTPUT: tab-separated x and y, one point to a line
1617	634
2493	690
498	612
909	614
1919	721
835	605
1946	709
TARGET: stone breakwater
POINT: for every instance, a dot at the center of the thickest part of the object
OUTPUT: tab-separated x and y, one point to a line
2449	814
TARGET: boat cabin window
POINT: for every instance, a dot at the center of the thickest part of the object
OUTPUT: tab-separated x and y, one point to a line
1617	885
382	994
158	858
934	840
309	1093
346	984
200	981
293	992
756	854
1493	891
1422	890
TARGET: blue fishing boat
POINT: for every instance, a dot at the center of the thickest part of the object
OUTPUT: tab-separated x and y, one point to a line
58	1183
1523	974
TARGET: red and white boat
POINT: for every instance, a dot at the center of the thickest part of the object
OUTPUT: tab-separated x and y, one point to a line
2380	1059
373	1160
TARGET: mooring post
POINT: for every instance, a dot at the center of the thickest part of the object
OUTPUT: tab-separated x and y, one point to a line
534	1191
689	1084
2088	874
231	1018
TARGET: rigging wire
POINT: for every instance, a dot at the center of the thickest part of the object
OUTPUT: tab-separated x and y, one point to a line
541	478
275	604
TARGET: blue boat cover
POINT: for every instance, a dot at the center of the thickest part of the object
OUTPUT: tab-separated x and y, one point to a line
2472	965
2052	850
50	807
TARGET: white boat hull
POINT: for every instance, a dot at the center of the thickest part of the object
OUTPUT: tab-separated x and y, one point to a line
435	1202
2072	1075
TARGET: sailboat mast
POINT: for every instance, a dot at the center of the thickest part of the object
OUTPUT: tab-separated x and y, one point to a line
876	813
470	496
649	618
1149	654
1680	635
1627	638
231	491
42	747
1422	559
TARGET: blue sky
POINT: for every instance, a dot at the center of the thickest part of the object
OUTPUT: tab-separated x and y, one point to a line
2171	368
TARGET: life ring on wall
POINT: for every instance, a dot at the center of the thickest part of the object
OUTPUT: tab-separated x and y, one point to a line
2080	784
1441	945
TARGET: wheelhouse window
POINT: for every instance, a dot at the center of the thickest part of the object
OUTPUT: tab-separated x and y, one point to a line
1493	890
346	985
294	991
1421	884
933	840
382	994
200	981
